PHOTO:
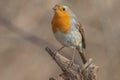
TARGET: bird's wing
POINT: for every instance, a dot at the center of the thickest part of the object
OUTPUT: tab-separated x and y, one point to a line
81	30
79	26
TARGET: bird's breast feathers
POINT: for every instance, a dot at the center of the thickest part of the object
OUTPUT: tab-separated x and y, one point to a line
72	38
62	24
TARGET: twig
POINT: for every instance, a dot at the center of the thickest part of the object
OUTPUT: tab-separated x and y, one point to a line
75	72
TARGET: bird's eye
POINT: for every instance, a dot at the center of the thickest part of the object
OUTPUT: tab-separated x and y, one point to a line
63	9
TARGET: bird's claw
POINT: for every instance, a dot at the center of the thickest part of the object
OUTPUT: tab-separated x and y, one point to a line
71	62
54	53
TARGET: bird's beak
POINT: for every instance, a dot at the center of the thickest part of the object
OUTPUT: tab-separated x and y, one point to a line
54	9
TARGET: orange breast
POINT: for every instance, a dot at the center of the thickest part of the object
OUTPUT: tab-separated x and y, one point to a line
61	23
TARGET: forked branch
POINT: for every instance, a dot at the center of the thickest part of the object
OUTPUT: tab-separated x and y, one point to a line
75	72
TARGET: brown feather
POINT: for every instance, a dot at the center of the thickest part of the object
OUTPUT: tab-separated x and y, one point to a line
82	33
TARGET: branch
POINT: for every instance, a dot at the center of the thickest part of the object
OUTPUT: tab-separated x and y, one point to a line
85	71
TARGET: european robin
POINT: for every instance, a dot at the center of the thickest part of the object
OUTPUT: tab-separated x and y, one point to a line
67	30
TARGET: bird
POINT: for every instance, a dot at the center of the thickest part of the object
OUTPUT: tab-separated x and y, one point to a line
68	30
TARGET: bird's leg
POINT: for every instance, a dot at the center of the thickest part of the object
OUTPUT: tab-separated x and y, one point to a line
73	58
55	52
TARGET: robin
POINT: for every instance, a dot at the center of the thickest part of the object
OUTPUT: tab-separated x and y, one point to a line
67	30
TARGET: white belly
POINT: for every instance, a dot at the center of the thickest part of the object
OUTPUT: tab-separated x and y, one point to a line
71	39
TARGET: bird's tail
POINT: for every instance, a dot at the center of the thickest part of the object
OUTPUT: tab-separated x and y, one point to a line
82	55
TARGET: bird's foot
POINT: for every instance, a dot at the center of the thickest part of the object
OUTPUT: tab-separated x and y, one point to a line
55	52
71	62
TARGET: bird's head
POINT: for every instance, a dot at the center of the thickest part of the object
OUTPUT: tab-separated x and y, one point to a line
61	10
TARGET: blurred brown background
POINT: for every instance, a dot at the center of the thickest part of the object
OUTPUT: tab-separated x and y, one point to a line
22	56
